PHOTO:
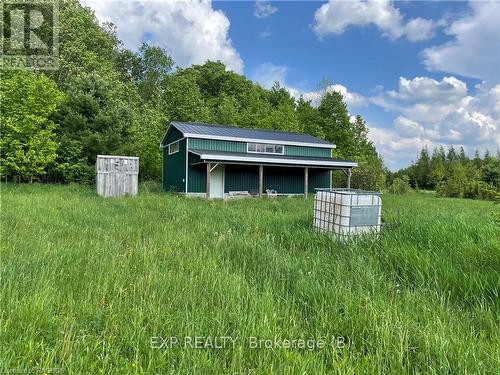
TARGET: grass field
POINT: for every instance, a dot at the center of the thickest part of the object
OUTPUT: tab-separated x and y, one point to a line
85	283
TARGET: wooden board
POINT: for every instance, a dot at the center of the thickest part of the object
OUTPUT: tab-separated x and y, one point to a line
117	176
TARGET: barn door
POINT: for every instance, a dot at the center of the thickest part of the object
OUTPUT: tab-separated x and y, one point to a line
217	182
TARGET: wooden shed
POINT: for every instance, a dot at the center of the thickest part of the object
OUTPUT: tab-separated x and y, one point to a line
117	175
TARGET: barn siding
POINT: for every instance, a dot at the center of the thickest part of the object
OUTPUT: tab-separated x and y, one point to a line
174	168
197	175
284	180
318	178
241	178
291	180
172	136
308	151
217	145
233	146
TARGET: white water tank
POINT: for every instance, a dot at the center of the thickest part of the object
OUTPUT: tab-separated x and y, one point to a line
347	212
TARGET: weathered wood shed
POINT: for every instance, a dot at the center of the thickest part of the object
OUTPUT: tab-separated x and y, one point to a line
117	175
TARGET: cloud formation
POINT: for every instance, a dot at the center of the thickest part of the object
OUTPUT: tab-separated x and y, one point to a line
264	9
352	99
266	74
335	17
475	48
436	112
191	31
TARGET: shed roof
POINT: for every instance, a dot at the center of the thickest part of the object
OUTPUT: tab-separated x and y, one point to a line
284	160
231	133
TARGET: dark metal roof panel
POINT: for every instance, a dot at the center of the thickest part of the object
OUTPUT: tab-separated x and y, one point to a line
247	133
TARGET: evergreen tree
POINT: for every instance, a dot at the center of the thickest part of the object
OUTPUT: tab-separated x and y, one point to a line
437	168
477	159
462	157
452	155
422	168
456	183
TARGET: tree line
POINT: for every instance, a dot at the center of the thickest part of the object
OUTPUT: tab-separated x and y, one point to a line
452	173
106	99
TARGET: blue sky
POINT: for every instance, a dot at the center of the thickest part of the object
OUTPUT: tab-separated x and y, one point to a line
359	57
420	73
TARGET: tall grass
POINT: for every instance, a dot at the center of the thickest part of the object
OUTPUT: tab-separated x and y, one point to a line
86	282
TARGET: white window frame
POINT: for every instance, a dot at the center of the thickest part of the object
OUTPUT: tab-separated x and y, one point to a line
264	145
170	152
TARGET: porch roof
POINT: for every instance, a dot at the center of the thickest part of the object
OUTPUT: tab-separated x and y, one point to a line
266	159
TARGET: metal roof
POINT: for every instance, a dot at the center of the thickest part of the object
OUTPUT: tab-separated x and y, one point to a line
305	161
231	133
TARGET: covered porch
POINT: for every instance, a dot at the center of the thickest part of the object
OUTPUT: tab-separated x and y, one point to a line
223	173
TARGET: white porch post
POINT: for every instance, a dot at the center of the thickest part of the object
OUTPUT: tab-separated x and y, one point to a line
208	179
306	181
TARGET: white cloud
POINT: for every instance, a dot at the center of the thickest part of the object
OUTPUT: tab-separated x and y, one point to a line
191	31
263	9
352	99
266	74
397	150
418	29
266	33
475	49
437	112
424	89
407	127
336	16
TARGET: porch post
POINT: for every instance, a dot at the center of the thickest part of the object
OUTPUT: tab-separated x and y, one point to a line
306	181
208	180
349	173
261	179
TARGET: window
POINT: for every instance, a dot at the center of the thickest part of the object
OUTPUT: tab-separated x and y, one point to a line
265	148
173	148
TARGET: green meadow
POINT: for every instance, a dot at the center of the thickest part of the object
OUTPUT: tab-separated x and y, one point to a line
91	285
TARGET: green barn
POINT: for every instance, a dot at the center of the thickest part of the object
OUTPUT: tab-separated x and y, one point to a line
218	161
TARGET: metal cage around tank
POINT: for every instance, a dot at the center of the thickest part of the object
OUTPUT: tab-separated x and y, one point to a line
347	212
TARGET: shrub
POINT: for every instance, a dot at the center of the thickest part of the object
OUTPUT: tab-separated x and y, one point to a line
400	185
467	189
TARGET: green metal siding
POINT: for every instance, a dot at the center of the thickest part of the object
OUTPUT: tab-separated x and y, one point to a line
197	174
284	180
174	168
216	145
308	151
172	136
241	177
291	180
318	178
233	146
